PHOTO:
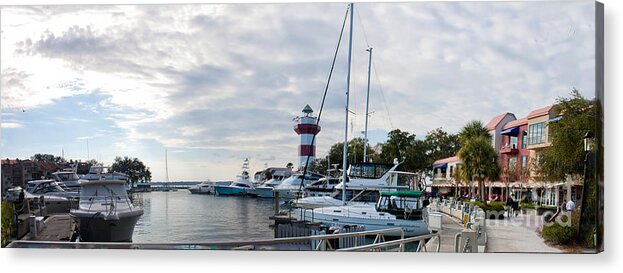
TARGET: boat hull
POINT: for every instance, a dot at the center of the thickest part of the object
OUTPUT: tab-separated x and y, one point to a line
410	227
96	228
226	190
199	191
262	192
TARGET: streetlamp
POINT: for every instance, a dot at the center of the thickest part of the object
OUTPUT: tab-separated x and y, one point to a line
589	140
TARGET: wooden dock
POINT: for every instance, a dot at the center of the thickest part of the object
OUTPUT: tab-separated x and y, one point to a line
56	227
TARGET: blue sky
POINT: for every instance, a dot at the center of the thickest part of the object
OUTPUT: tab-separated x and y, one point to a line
214	84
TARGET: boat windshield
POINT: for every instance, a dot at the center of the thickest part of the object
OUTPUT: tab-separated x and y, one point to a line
67	176
359	196
46	187
368	170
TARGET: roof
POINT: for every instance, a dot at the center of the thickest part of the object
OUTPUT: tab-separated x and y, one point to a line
515	123
496	120
307	109
447	160
403	193
540	112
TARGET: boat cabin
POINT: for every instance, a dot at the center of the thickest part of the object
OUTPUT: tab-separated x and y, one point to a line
43	187
368	170
403	204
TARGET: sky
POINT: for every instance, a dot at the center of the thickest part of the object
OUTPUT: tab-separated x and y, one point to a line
214	84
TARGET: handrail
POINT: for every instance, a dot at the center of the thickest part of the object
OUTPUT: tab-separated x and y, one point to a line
400	242
205	245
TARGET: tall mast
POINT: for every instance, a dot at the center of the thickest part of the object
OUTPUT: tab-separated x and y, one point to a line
166	166
345	154
365	136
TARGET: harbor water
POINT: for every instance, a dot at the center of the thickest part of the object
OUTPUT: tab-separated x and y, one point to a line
179	216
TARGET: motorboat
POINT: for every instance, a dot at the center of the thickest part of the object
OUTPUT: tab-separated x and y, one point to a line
363	184
54	198
293	186
323	187
105	212
240	185
49	187
265	190
202	188
69	178
99	172
403	209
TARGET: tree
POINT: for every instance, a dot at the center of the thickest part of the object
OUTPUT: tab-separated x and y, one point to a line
48	158
441	145
566	155
355	152
133	168
478	155
396	146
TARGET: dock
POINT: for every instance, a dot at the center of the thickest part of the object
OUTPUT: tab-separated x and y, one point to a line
56	227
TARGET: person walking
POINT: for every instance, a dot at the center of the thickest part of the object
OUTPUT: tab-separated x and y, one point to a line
509	206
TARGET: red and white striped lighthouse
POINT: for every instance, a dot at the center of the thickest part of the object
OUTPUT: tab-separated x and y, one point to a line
307	128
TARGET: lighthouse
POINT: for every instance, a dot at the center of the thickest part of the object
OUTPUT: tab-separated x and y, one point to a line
307	129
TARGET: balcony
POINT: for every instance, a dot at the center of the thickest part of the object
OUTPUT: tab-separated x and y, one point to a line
509	149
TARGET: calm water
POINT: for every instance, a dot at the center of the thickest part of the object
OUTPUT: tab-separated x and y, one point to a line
184	217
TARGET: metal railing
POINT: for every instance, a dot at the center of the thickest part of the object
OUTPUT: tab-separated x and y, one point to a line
377	246
324	243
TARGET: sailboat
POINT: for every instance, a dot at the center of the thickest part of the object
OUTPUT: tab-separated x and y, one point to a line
373	217
166	168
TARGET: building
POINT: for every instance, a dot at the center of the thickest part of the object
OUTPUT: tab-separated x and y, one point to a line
519	143
16	172
307	128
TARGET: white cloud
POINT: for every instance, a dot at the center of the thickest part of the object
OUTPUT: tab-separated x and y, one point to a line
231	77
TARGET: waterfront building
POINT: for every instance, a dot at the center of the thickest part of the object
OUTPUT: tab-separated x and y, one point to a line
520	143
16	172
307	129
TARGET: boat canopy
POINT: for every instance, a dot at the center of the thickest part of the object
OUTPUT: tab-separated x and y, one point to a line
415	194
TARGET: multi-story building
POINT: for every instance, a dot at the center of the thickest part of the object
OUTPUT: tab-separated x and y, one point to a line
520	143
16	172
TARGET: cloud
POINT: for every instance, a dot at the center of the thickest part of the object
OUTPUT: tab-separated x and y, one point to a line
11	125
228	79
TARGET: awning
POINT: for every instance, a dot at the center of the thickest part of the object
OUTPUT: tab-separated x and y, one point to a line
555	119
511	131
443	166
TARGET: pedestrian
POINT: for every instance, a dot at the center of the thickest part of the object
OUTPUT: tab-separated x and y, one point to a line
509	206
570	205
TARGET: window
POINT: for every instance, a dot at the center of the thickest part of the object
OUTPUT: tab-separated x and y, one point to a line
512	142
512	163
536	133
524	143
524	162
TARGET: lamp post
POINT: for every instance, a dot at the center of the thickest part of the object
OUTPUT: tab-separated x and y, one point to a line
588	145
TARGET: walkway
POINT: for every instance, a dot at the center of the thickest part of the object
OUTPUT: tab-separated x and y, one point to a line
517	234
450	227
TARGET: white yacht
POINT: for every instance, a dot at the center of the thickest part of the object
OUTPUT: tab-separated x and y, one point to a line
69	178
202	188
55	198
240	185
99	171
105	212
293	186
265	190
364	182
402	209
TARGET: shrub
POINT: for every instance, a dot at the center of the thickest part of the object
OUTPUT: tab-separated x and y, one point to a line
558	234
527	205
8	222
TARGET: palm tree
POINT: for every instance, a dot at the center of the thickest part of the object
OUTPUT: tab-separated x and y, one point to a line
478	155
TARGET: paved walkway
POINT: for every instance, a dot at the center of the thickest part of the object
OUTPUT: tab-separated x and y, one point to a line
450	227
517	234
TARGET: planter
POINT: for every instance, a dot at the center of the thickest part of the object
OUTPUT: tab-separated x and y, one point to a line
543	210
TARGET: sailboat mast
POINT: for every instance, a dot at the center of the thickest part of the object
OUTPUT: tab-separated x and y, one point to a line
365	132
166	166
345	154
